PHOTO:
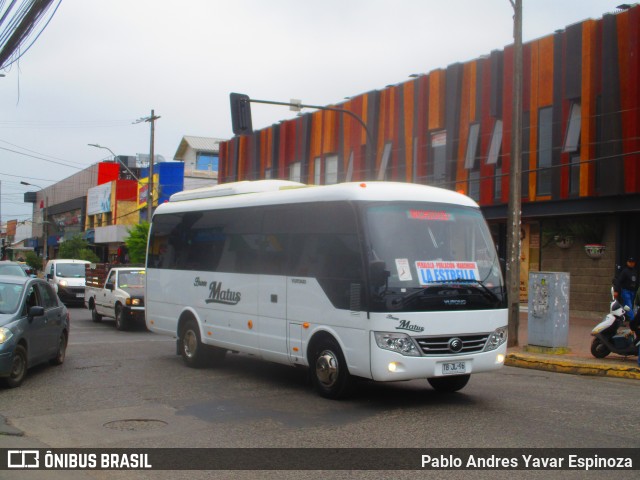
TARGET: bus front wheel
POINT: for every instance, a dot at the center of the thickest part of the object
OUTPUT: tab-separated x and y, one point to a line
449	384
191	347
329	370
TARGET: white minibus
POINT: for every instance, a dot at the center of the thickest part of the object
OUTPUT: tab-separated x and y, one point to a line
377	280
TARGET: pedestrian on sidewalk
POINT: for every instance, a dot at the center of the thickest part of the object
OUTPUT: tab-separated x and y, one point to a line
625	285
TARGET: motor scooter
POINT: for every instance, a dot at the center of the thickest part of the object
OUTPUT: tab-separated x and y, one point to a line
613	335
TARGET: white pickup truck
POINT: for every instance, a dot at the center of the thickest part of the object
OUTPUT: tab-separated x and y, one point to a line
115	291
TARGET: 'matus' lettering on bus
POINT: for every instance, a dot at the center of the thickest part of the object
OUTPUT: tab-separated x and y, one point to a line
217	295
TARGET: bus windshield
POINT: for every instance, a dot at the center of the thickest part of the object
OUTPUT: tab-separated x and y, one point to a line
427	256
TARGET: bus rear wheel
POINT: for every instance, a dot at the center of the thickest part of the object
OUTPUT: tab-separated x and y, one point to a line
191	348
329	371
449	384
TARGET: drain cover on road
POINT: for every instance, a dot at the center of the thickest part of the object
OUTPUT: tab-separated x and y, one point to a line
135	425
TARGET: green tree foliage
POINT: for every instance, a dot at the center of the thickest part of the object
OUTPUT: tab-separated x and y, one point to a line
33	260
78	248
137	242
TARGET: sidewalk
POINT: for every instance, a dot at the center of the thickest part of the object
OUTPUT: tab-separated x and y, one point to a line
578	360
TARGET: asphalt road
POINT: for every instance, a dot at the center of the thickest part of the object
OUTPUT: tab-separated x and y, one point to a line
130	390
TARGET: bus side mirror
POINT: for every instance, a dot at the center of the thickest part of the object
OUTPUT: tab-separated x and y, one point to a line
378	273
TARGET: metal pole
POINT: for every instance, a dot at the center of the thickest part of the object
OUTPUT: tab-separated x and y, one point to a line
45	252
152	119
514	213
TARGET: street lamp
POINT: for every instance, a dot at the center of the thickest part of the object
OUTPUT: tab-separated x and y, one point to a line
44	223
116	158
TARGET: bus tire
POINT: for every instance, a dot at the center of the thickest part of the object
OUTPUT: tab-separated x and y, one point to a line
192	349
449	384
329	372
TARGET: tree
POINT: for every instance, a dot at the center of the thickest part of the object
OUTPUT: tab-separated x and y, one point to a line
78	248
137	242
33	260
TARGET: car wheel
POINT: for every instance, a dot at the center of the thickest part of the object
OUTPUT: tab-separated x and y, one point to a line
329	371
599	349
62	350
191	347
121	321
449	384
18	368
95	316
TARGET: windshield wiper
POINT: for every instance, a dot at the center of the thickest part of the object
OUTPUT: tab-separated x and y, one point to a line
491	294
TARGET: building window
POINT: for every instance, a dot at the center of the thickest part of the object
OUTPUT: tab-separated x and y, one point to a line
474	184
497	182
470	162
206	162
294	172
385	162
472	146
317	171
545	145
331	170
496	143
349	175
572	138
438	158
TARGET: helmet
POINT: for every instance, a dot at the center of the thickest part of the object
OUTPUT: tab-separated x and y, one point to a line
617	309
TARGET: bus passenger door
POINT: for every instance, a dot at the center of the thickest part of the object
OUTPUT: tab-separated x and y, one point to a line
272	313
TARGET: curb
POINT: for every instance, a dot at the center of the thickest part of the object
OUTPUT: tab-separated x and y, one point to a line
575	367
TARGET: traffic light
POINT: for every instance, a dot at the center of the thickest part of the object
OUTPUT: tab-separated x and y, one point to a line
240	114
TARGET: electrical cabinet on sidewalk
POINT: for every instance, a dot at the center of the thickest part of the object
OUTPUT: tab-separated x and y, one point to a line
548	319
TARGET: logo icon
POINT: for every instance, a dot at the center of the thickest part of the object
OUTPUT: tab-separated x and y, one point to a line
455	345
23	459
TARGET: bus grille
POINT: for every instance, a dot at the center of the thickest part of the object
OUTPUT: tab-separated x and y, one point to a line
443	345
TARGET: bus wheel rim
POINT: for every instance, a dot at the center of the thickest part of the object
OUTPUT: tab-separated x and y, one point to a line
190	343
327	368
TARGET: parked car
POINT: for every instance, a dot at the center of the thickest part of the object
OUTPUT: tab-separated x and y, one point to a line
31	272
11	268
66	276
34	327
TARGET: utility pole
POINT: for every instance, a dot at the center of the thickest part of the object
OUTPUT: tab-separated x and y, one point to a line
151	119
515	186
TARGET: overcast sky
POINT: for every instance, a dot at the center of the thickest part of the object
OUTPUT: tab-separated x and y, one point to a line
102	64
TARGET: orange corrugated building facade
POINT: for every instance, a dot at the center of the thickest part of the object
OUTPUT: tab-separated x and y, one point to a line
452	128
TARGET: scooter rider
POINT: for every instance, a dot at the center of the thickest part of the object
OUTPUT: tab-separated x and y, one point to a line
625	285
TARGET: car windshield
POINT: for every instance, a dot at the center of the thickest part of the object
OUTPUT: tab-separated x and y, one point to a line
426	248
10	297
75	270
12	270
131	279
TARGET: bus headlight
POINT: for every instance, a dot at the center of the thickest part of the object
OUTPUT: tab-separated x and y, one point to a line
63	283
5	334
497	338
397	342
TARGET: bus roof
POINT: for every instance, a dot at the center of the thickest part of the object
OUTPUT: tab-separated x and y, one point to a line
276	192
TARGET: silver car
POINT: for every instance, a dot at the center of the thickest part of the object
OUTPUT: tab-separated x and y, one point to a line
34	327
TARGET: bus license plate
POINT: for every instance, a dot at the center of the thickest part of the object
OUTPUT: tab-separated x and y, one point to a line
454	368
79	295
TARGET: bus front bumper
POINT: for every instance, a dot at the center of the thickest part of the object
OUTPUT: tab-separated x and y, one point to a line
389	366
